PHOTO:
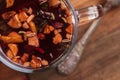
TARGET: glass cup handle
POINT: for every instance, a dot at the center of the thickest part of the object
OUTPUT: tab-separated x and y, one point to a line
89	13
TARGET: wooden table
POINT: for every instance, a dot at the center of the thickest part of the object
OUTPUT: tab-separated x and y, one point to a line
101	57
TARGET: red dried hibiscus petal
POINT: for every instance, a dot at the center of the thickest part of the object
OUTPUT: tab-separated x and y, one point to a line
40	50
32	48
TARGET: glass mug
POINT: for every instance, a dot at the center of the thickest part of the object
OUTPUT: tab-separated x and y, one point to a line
81	15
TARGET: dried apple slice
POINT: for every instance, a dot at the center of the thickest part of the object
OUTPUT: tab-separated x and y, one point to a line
33	27
8	15
48	29
15	22
13	37
13	48
22	16
9	54
33	41
9	3
69	29
57	39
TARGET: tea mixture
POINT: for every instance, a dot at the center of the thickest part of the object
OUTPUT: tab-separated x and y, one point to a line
34	33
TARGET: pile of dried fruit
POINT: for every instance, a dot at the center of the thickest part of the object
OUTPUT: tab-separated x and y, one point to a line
36	37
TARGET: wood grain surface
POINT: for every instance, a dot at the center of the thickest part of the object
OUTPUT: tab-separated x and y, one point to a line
101	57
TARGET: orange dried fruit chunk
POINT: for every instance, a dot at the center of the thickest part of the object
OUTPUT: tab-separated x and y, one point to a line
44	62
57	31
30	18
69	19
25	57
33	41
25	25
68	36
9	3
17	60
30	11
9	54
51	28
13	48
33	27
13	34
69	29
34	57
57	39
7	39
14	22
13	37
22	16
48	29
26	64
35	63
8	15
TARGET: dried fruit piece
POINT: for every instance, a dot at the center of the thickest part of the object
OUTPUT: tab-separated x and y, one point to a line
8	15
57	39
57	31
53	3
13	37
25	57
69	19
13	48
34	57
48	29
22	16
14	34
40	50
68	36
51	28
35	63
44	62
30	18
25	25
33	41
30	11
9	3
17	60
63	6
14	22
26	64
9	54
33	27
28	34
69	29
